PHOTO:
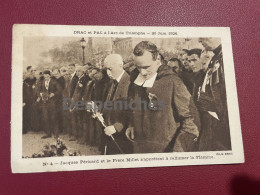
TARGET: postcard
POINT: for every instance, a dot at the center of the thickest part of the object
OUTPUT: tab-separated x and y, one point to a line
106	97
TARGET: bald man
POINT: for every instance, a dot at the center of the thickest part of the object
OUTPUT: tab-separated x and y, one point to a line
117	117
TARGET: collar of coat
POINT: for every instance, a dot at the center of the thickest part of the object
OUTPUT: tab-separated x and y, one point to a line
217	50
162	71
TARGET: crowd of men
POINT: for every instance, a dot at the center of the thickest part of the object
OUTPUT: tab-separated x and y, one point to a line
185	101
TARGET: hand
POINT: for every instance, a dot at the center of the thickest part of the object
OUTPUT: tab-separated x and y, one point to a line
130	134
72	109
24	104
38	99
110	130
51	95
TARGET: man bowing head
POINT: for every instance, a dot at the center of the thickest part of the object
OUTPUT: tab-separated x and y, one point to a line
115	114
164	101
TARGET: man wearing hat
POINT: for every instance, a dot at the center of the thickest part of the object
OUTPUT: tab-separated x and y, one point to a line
50	92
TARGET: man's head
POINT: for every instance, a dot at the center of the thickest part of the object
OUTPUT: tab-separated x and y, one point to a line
88	69
71	68
163	61
210	44
185	61
30	71
64	71
96	74
129	67
88	64
56	73
28	68
175	64
182	52
38	74
47	74
205	59
114	65
194	59
147	59
33	71
79	71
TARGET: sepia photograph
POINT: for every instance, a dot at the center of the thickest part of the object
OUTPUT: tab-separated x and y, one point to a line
122	97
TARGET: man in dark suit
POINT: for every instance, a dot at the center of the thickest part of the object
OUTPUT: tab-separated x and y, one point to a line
76	110
187	72
176	65
49	95
117	117
73	79
61	81
66	113
36	111
28	82
212	101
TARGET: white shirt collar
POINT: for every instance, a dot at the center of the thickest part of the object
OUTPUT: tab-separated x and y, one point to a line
72	75
81	76
120	76
141	81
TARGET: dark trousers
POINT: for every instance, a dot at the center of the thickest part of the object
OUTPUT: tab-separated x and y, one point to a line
36	117
59	108
27	117
49	118
77	126
214	135
182	142
87	128
111	148
147	147
90	130
67	116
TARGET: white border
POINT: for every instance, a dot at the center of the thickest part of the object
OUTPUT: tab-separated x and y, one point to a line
20	165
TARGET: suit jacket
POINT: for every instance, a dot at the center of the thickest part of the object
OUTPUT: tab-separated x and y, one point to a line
72	85
214	98
61	81
186	76
54	87
28	90
79	88
36	89
118	114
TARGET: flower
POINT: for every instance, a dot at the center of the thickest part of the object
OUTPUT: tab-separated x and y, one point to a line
152	101
56	149
152	96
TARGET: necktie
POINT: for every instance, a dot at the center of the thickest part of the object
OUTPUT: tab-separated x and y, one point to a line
47	84
112	90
